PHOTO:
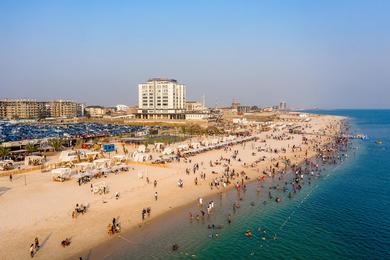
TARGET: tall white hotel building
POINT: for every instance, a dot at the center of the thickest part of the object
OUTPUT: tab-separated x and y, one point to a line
161	99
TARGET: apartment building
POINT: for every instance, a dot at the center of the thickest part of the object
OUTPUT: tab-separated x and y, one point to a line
21	109
62	108
32	109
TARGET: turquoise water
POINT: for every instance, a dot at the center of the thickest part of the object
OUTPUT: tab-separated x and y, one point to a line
343	214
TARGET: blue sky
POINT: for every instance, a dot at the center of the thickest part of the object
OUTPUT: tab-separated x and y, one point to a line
309	53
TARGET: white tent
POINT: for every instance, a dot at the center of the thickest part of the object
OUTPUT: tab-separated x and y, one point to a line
120	167
6	165
141	148
33	160
61	174
159	146
214	141
83	166
91	155
167	151
205	142
102	163
119	158
100	187
195	145
68	156
83	174
140	157
182	147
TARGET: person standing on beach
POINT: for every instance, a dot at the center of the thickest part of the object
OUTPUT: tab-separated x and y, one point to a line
32	250
10	177
36	245
155	183
113	223
155	195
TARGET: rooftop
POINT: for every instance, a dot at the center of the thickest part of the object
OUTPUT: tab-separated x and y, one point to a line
162	79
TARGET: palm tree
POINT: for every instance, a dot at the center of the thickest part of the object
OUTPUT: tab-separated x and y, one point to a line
30	148
4	152
56	144
77	145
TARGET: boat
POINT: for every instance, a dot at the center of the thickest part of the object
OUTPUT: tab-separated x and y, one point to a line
378	142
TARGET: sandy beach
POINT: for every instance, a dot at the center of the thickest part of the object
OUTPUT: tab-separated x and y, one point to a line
32	205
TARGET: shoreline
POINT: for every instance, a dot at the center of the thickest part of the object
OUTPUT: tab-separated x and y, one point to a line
135	231
129	223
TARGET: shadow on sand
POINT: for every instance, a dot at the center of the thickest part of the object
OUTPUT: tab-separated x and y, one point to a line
45	240
3	190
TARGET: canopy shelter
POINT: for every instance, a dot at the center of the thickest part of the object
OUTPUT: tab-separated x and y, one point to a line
102	163
84	176
33	160
195	145
182	147
100	188
120	158
68	156
83	166
140	157
141	148
91	155
120	167
61	174
6	165
159	146
167	151
87	154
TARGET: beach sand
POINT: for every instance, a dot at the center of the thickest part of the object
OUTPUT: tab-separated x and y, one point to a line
35	206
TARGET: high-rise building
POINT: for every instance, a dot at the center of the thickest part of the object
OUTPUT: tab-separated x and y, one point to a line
235	104
161	99
283	105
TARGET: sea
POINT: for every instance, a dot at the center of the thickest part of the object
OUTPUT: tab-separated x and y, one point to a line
344	213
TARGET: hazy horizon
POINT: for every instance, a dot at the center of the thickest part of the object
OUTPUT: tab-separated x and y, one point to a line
326	54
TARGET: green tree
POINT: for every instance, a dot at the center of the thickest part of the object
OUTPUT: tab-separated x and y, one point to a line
56	144
77	145
4	152
30	148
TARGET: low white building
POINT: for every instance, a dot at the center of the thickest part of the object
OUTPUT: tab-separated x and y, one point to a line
123	108
197	115
194	106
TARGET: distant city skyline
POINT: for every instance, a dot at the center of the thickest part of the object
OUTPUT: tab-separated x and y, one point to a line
326	54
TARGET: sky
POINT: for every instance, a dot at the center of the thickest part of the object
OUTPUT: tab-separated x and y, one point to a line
326	54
